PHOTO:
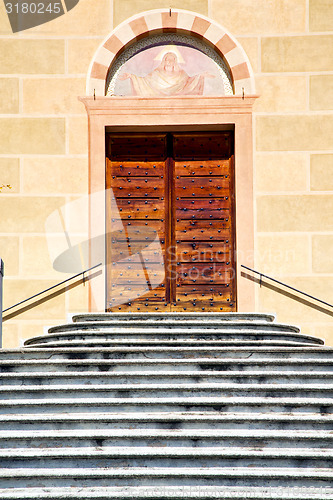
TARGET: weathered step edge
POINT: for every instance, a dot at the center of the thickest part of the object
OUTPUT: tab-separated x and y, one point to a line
168	492
128	316
195	337
172	327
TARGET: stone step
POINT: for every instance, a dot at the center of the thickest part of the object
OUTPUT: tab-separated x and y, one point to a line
170	354
176	335
200	327
111	391
169	492
175	317
21	362
172	336
198	438
50	378
177	457
284	405
166	420
168	476
173	343
147	405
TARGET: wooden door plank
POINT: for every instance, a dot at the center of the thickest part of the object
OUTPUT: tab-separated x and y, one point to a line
148	253
204	301
137	279
202	168
201	208
139	187
142	307
137	146
204	307
138	230
152	299
207	234
137	169
202	252
205	182
204	186
136	248
137	208
197	226
216	275
131	295
203	215
200	288
203	145
206	295
134	266
203	204
140	294
136	290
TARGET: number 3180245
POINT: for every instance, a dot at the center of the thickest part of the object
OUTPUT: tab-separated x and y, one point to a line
33	8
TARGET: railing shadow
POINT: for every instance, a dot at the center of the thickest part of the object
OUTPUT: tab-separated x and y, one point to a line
63	288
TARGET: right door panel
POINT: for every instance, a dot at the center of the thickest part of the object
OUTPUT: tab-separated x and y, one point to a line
204	276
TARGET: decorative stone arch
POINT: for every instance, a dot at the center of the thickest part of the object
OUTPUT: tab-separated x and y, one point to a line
171	21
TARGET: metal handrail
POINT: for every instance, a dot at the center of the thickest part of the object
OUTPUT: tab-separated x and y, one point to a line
51	287
287	286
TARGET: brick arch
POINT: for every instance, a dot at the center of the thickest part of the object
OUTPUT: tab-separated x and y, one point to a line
164	20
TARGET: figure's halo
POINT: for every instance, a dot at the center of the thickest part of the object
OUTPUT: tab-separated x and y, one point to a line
174	50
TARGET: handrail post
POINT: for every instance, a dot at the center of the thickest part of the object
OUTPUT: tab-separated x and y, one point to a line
2	273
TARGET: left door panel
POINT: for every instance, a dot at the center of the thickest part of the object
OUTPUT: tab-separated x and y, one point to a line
136	223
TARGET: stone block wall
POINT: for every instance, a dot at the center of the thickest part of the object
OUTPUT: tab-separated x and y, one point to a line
43	153
43	146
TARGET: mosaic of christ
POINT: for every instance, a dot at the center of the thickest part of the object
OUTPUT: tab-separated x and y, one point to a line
169	70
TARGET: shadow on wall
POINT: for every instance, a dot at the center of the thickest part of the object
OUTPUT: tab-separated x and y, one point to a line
48	296
288	294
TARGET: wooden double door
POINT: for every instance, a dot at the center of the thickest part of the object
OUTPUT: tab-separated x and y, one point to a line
170	222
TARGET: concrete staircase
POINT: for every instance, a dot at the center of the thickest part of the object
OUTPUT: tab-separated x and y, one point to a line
167	406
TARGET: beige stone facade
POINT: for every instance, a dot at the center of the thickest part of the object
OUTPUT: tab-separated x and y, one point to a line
44	145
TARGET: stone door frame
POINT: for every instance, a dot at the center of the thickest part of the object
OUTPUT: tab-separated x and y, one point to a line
187	114
182	113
